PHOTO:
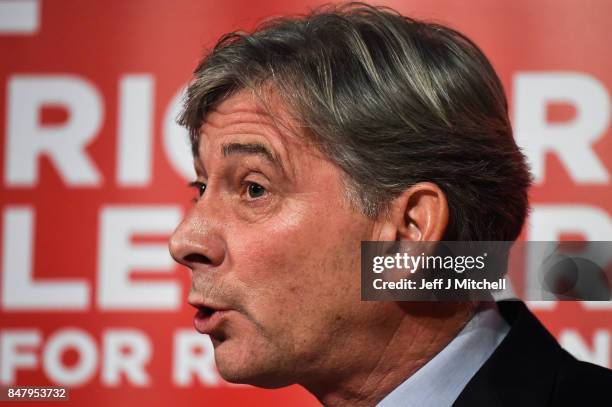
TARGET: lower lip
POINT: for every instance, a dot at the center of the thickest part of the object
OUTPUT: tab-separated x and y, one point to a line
206	324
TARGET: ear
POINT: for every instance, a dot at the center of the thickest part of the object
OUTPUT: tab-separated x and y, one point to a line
420	213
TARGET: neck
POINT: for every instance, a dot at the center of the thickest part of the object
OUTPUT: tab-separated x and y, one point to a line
390	356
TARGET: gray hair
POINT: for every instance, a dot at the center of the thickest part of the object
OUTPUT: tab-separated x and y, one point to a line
392	100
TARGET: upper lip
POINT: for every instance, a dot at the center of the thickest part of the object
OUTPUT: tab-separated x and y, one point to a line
206	305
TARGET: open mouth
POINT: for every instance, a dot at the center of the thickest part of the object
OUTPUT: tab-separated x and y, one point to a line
205	311
208	320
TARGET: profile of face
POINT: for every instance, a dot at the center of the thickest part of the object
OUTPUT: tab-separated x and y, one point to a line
273	245
274	248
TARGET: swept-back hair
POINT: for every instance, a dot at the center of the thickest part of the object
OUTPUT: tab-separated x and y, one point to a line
392	100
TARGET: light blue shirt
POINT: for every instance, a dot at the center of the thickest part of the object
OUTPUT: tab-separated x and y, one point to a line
440	381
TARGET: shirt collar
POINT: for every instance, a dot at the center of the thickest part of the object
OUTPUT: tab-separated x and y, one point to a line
440	381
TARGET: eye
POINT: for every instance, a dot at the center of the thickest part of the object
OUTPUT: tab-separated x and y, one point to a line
200	187
254	190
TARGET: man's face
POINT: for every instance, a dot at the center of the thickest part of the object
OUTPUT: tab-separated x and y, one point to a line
273	243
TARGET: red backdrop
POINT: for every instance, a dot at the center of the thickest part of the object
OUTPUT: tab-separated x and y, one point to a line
94	171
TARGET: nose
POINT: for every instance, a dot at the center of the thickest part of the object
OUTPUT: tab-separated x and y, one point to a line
196	242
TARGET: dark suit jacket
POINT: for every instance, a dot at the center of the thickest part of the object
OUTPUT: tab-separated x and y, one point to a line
529	368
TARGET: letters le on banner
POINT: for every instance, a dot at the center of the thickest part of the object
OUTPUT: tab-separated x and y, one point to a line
469	271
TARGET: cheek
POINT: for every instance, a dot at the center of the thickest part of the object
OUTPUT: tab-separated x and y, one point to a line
299	270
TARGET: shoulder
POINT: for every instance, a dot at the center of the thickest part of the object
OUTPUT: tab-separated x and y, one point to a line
582	383
529	368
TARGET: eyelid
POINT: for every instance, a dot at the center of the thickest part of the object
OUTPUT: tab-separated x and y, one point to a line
198	186
256	176
256	171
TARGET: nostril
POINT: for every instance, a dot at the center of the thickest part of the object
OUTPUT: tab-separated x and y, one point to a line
196	258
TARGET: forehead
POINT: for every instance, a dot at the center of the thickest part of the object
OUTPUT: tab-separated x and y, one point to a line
245	117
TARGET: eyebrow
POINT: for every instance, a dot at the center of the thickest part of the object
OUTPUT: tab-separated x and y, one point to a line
251	149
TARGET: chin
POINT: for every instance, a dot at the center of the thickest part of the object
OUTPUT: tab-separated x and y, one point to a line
249	367
251	377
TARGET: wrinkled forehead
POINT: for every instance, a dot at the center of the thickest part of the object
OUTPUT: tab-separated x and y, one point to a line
249	116
248	107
